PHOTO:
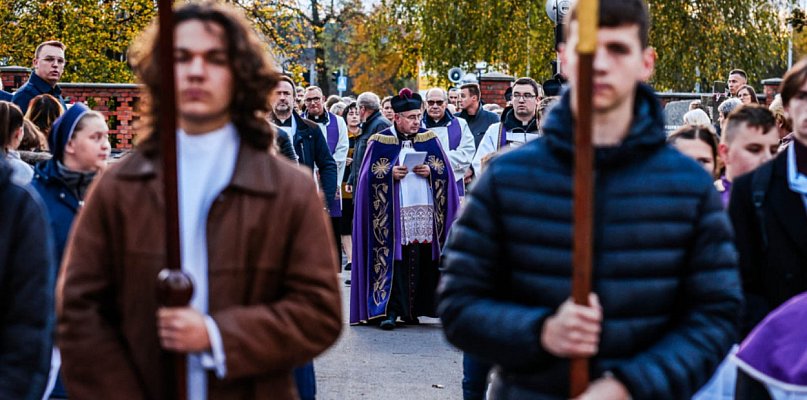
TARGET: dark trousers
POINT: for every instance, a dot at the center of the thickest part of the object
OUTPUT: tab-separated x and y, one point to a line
749	388
306	381
336	225
474	377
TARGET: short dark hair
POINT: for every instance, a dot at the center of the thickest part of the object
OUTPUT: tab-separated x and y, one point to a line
246	57
754	115
529	81
615	13
473	89
54	43
286	78
793	81
385	99
740	72
703	133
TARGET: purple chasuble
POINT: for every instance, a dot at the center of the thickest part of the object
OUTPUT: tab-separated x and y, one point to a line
376	222
775	352
332	136
454	139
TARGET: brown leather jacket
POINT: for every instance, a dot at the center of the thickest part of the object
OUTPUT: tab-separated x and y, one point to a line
273	292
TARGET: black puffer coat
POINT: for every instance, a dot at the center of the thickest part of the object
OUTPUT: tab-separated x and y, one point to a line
665	268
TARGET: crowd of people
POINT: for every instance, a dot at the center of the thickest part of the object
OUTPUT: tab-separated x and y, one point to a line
437	204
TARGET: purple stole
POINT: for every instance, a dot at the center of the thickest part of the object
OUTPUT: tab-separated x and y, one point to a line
332	136
502	137
454	138
376	223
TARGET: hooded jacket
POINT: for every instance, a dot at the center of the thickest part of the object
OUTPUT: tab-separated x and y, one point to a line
665	269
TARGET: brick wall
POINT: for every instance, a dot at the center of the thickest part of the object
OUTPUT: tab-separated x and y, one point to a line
493	87
115	100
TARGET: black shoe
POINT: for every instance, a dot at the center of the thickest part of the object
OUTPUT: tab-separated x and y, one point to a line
347	282
348	266
389	323
411	321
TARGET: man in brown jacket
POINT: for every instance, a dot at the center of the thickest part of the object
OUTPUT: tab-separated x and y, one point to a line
264	301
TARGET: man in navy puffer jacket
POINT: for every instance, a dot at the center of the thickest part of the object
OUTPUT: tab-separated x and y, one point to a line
665	269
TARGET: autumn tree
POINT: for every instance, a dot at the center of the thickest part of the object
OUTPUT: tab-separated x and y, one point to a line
701	41
97	34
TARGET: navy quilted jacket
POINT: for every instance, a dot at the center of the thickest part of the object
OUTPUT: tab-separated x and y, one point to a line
665	268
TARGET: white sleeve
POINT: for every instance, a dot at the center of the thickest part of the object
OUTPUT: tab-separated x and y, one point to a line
215	359
340	153
465	150
486	146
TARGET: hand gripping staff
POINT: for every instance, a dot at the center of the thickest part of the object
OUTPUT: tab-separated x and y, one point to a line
174	288
587	17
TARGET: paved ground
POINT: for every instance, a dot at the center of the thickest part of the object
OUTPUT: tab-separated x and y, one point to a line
409	363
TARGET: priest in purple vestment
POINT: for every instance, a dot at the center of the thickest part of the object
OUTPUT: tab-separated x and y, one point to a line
405	202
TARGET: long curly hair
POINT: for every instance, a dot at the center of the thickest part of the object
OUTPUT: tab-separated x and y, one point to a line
250	63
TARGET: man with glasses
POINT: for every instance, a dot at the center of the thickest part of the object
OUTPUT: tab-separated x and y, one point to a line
519	125
309	144
405	203
334	130
48	69
454	134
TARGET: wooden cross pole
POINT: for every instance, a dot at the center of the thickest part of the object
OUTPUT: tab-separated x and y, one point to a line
174	288
587	18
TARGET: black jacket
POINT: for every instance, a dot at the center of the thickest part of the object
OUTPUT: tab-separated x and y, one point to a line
34	87
774	273
312	150
375	123
479	123
284	145
664	264
27	280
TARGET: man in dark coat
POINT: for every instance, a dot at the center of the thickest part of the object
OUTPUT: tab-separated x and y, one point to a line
666	289
767	208
372	122
477	117
309	144
48	69
27	280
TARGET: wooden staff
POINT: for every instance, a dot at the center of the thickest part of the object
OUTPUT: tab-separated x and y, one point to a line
587	18
174	288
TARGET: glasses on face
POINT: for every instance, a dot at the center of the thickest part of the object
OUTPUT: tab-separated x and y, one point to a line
312	100
433	102
746	94
524	96
54	60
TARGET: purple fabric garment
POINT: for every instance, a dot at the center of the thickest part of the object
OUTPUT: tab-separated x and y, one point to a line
502	137
366	233
454	134
776	350
726	194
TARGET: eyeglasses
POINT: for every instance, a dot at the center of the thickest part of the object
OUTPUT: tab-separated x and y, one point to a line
54	60
525	96
744	95
313	100
433	102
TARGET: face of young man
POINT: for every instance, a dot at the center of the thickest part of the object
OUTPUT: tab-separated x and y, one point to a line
49	64
386	110
735	82
408	122
88	149
525	101
619	63
466	100
436	105
796	110
750	148
282	98
313	102
203	75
